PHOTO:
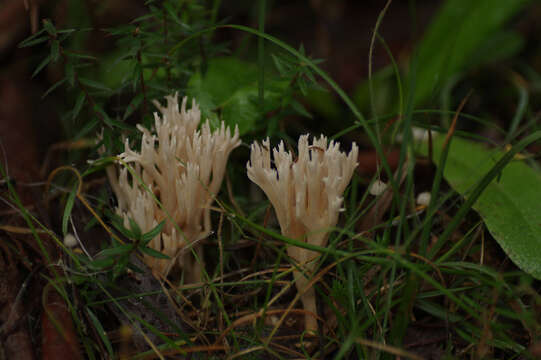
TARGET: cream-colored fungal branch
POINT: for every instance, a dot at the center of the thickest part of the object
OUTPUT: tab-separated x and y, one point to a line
306	194
183	166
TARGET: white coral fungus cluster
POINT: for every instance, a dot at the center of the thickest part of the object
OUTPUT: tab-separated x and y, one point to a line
306	194
183	166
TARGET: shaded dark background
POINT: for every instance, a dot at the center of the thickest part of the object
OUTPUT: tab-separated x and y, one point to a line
337	31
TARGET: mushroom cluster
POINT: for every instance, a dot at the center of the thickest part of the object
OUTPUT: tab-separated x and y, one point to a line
306	194
183	167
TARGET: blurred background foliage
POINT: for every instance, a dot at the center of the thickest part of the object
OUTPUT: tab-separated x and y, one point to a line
110	59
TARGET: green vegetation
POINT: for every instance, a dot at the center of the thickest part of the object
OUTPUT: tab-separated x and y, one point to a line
460	272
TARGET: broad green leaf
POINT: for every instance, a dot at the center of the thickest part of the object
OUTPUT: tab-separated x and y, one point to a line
230	86
510	205
224	76
458	30
242	109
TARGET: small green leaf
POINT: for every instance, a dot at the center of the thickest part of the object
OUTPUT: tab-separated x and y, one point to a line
49	27
153	233
88	127
300	109
172	13
108	121
94	84
280	65
28	42
101	264
133	105
70	73
31	40
115	251
135	229
121	30
78	105
67	210
71	54
303	86
53	88
71	31
143	18
79	279
136	73
55	51
154	253
119	225
40	67
120	266
101	332
90	224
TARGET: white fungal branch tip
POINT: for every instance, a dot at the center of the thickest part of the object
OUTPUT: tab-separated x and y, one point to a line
306	194
183	166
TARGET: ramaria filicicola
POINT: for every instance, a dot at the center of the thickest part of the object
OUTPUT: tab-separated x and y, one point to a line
184	168
306	194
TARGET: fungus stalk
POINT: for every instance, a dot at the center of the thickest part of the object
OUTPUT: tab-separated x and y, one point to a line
183	167
306	194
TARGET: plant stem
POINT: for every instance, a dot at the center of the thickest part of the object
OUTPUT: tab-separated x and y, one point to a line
261	53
